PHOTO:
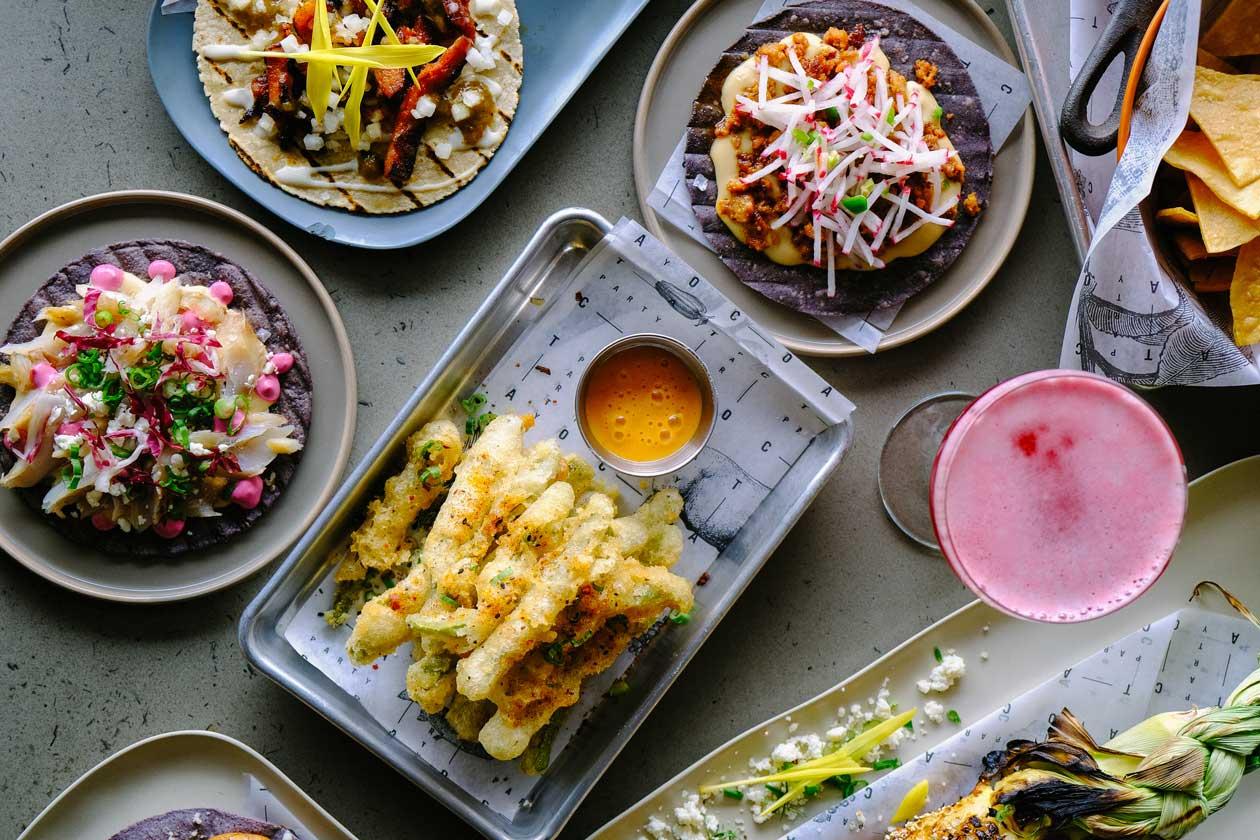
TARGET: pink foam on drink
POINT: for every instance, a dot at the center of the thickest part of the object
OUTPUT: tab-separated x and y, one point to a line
1059	496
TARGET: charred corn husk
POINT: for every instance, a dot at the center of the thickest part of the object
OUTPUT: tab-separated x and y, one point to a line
1158	780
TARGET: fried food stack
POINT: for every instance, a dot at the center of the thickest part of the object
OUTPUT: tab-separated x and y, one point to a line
526	584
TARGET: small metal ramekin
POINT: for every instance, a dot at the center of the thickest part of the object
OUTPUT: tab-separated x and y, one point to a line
708	406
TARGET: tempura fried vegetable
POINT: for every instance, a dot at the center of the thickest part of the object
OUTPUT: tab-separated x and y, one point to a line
382	542
528	584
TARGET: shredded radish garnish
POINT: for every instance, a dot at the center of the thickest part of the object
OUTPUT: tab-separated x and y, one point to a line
846	150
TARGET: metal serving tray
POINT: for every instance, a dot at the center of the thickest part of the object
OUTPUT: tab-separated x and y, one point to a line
541	271
1041	35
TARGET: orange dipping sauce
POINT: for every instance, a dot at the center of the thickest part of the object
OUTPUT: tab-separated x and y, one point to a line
642	404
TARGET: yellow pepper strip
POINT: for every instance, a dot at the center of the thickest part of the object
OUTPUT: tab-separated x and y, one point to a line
319	75
912	803
814	774
379	56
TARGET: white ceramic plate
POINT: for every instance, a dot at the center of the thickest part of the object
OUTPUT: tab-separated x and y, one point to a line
1219	543
685	59
191	769
35	251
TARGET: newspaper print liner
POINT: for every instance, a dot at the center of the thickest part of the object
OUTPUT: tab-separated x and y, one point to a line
199	266
802	287
1152	330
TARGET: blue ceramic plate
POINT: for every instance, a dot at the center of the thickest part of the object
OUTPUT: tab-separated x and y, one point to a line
563	43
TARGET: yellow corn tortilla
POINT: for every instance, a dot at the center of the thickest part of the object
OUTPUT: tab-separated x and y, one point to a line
1177	217
1221	226
1193	152
1227	109
433	179
1244	295
1236	31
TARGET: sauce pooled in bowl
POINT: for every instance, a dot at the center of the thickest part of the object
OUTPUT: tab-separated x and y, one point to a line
642	403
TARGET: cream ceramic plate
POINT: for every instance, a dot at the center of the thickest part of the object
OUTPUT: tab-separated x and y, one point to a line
1219	543
177	770
685	59
31	254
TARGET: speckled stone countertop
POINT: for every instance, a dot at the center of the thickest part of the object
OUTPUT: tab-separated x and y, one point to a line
80	679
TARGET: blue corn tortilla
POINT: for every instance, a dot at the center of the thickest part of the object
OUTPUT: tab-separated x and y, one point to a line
201	824
199	266
804	287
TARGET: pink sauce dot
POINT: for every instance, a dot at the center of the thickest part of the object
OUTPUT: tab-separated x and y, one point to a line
282	362
107	277
169	529
165	270
221	292
248	492
102	522
268	387
42	374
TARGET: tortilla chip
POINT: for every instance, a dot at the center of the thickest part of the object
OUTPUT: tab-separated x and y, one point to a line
1244	295
1236	31
1221	226
1206	59
1227	109
1190	246
1212	275
1177	217
1193	152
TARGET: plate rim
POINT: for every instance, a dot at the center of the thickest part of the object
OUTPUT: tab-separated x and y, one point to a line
609	829
78	206
643	183
181	733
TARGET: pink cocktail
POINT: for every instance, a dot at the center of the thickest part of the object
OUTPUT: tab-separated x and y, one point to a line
1058	496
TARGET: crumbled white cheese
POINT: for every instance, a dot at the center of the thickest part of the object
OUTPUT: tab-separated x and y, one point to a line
313	142
984	656
373	131
334	99
425	106
858	822
63	443
266	126
797	748
480	61
332	120
935	711
195	448
951	669
349	27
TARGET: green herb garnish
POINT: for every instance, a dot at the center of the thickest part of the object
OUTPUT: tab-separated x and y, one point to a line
680	618
832	114
940	657
618	688
448	600
428	475
886	764
937	113
855	203
733	793
74	473
88	370
813	790
953	716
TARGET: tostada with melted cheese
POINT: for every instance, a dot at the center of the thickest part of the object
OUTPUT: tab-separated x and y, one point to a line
838	157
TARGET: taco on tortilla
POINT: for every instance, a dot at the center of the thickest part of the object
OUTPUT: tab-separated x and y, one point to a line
838	157
154	399
375	125
203	824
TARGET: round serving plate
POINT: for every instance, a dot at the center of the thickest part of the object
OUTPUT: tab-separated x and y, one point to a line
35	251
685	59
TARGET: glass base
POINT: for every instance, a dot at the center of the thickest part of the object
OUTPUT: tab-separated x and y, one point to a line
905	463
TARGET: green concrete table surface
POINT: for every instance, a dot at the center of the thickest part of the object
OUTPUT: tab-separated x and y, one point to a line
80	679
